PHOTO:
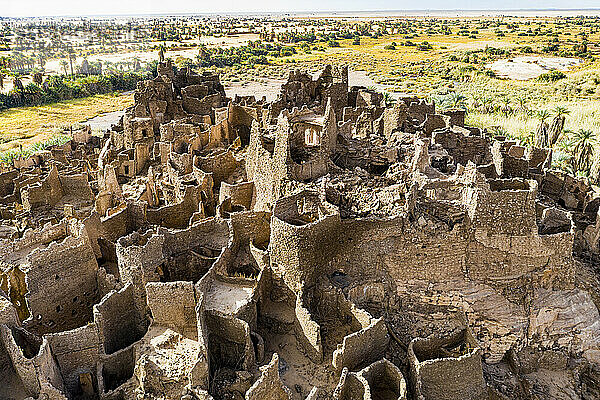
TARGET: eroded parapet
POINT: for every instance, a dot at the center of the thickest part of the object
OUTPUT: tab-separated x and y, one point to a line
11	249
447	368
189	253
47	192
297	148
177	214
308	332
77	353
464	146
22	367
350	387
503	206
229	342
60	295
504	222
119	322
27	366
303	237
139	256
269	386
114	373
166	255
385	381
510	159
179	316
232	286
380	380
354	338
235	197
364	345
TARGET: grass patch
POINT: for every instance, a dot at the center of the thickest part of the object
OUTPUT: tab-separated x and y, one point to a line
9	155
28	125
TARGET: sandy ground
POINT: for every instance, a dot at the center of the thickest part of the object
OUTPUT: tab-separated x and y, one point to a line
103	122
529	67
270	88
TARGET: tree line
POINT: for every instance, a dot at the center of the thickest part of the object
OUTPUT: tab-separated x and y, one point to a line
65	87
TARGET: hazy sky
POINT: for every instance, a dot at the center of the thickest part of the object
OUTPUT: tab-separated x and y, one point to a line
114	7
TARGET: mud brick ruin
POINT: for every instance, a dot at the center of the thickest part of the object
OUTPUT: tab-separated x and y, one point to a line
322	246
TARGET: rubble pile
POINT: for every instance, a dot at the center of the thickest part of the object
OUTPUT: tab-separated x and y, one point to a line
322	246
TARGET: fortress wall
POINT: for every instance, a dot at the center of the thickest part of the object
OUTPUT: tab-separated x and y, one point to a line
308	332
377	249
62	285
507	207
76	352
76	185
179	316
176	215
300	249
118	320
447	368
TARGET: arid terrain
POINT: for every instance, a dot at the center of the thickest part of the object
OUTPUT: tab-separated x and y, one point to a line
347	208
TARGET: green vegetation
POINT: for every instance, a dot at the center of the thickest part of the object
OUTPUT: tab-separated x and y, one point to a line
447	59
65	87
23	152
23	126
551	76
256	52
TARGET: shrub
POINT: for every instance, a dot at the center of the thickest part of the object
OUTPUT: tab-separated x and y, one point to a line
551	76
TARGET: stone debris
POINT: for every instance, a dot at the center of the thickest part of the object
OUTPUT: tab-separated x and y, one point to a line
321	246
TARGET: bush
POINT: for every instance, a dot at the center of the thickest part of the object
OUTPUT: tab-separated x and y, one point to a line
526	50
551	76
424	46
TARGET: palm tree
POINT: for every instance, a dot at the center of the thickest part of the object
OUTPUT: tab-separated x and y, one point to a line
506	109
64	65
457	100
161	53
584	141
557	125
522	101
41	57
18	85
388	99
541	135
72	57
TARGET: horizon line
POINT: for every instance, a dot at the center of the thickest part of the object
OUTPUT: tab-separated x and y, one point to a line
251	13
